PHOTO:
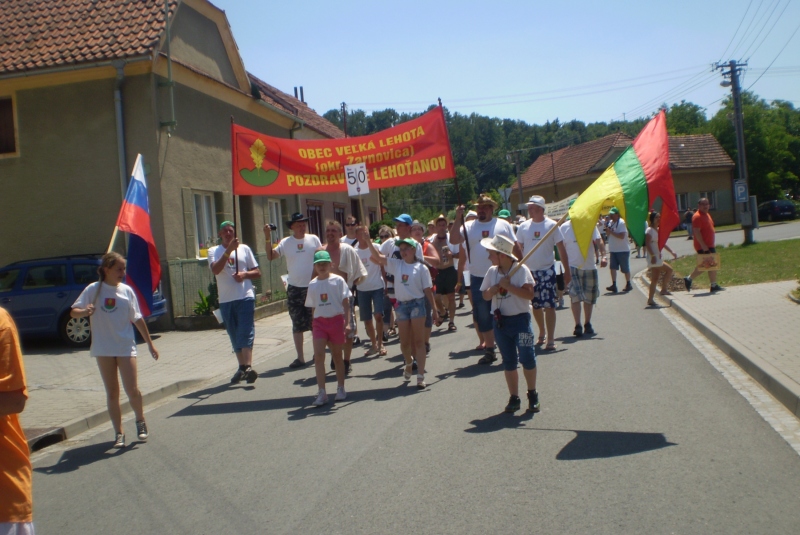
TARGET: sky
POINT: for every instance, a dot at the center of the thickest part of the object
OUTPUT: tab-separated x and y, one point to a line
526	60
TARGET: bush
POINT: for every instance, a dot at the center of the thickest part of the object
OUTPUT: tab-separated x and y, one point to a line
373	228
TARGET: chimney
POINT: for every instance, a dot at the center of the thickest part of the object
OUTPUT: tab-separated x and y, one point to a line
295	91
302	98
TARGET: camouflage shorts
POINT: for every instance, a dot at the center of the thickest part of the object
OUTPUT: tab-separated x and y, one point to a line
300	314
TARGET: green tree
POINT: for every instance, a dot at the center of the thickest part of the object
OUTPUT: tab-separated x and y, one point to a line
686	118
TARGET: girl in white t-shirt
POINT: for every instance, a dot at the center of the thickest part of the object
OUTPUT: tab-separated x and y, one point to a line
412	287
113	342
329	297
510	296
655	263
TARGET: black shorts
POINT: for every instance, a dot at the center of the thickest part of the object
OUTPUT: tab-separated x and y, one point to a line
446	281
560	282
300	314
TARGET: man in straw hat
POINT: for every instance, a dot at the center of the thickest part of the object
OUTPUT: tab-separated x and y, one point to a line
583	271
510	295
542	264
299	249
485	226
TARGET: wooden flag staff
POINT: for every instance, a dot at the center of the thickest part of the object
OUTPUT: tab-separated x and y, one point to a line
541	241
458	193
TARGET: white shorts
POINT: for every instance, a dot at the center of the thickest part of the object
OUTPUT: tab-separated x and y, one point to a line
16	528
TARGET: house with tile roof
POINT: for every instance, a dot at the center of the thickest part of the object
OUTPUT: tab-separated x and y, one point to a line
700	168
86	85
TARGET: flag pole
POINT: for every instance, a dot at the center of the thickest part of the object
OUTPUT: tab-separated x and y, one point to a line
541	241
455	185
233	148
113	239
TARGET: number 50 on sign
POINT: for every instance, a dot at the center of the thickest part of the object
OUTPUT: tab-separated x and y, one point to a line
356	176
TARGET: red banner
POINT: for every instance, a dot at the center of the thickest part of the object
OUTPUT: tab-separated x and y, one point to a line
413	152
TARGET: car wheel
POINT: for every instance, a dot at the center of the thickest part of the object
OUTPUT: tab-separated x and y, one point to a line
75	331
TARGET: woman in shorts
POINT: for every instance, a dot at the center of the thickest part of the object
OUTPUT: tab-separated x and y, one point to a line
412	286
655	263
113	341
329	296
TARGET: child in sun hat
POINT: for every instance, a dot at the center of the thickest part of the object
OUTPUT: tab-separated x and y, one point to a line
329	297
513	331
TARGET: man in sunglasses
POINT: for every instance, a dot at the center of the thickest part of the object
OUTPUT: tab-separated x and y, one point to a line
350	238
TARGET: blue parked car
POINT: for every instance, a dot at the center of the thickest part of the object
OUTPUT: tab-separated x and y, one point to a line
39	294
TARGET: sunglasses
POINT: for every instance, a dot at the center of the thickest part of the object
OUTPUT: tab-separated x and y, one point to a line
350	224
384	236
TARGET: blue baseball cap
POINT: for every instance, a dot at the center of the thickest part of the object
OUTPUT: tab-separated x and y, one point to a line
404	218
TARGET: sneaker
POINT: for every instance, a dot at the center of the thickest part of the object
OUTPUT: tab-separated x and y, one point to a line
250	375
513	404
237	377
356	341
716	288
427	348
533	401
421	381
578	331
587	329
460	305
414	366
322	399
141	430
612	288
407	372
688	282
341	395
488	356
627	287
385	337
119	442
347	367
561	303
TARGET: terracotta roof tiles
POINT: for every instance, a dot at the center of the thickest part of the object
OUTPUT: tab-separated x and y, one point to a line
703	150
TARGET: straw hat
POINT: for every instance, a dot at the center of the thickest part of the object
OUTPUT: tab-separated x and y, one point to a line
499	244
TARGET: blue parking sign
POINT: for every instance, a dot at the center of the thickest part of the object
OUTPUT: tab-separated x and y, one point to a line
740	190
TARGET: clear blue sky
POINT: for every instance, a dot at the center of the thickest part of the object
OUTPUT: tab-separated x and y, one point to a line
529	60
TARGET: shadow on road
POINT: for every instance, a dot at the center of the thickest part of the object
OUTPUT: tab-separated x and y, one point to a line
605	444
500	421
76	458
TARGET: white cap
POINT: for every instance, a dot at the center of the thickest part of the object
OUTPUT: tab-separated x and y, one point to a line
538	200
471	213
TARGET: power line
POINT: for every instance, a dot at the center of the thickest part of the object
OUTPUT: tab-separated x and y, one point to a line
745	53
776	57
747	30
737	29
676	92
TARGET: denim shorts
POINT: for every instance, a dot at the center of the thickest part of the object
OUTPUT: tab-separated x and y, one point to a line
409	310
513	336
621	261
239	319
370	302
481	308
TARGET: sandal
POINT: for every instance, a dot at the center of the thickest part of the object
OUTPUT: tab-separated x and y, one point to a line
297	363
373	350
540	341
488	358
392	332
550	347
439	322
452	327
382	352
480	347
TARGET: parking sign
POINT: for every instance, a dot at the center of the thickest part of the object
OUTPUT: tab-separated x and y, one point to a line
740	190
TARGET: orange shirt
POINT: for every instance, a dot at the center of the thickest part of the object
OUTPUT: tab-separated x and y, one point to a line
15	464
705	224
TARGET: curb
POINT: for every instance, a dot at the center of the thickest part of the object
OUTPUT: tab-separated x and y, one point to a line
771	378
84	423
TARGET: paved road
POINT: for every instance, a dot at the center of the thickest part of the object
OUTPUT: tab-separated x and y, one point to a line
638	433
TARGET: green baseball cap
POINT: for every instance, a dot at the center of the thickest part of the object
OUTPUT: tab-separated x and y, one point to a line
503	213
321	256
613	210
408	241
225	224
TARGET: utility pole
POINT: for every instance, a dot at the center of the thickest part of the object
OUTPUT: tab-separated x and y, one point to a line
344	119
733	72
519	180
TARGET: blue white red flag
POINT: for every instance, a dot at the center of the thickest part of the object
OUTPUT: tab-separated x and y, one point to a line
144	266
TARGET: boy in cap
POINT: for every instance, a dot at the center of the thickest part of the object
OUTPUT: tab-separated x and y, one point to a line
329	297
510	296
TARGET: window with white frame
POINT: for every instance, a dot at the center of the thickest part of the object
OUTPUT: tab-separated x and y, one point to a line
683	201
205	218
712	198
275	218
315	218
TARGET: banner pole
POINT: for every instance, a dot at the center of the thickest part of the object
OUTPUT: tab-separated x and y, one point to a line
541	241
233	190
113	239
455	185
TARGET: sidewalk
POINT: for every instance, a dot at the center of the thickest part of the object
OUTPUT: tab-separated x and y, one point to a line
757	326
66	396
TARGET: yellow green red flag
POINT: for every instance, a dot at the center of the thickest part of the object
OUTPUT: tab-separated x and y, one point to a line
632	183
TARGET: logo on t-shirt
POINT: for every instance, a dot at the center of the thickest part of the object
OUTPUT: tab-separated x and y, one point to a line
110	304
323	298
299	246
230	261
503	292
536	235
485	233
405	279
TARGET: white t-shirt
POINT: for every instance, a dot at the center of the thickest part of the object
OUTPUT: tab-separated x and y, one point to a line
116	308
299	256
230	290
390	250
530	233
353	242
576	259
479	262
653	233
410	279
374	279
508	303
326	296
618	245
